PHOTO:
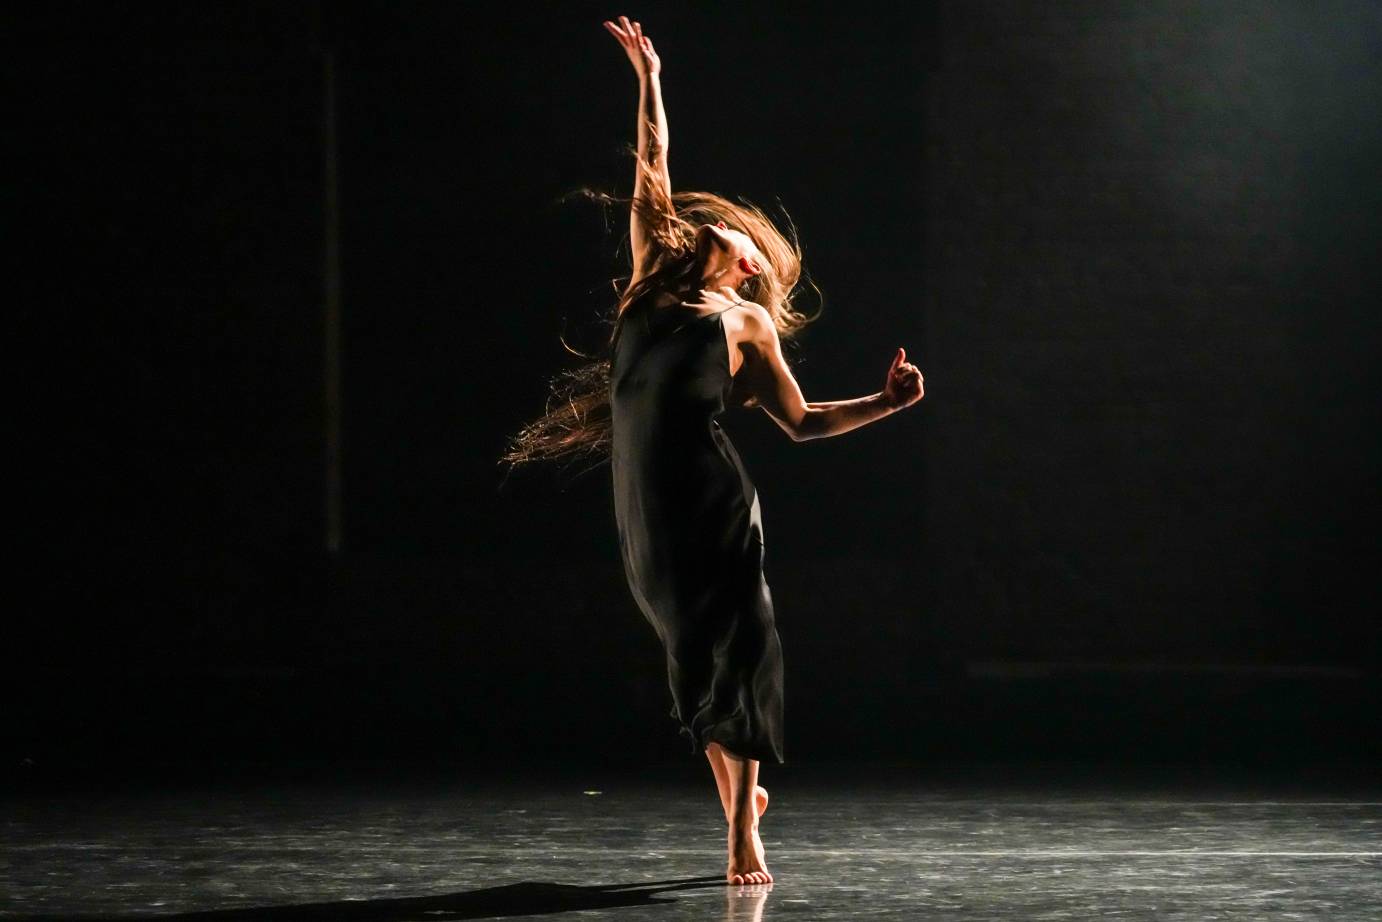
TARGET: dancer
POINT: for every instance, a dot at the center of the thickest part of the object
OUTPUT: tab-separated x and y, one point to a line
699	328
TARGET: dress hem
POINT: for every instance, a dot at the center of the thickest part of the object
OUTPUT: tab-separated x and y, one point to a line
749	750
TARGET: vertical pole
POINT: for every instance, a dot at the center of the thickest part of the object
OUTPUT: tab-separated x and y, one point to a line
332	325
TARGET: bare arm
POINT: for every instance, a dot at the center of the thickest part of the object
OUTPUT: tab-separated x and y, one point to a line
652	138
652	150
834	417
774	388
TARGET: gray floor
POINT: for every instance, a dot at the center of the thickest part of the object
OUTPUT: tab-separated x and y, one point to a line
644	850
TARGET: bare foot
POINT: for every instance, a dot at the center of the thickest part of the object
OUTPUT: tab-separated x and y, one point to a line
747	863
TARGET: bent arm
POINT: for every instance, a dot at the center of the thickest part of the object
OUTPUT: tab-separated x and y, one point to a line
651	169
775	389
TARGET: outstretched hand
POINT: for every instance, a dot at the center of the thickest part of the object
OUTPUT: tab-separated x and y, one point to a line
637	46
904	385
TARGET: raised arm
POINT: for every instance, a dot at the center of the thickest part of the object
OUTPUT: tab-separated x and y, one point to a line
771	384
652	139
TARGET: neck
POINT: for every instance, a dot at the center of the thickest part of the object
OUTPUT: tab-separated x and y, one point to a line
717	277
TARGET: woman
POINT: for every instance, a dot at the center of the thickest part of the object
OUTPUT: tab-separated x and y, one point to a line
699	328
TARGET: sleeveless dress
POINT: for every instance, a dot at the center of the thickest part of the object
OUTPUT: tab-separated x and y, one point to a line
690	527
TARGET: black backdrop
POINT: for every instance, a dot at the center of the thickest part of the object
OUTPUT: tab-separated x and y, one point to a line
1131	245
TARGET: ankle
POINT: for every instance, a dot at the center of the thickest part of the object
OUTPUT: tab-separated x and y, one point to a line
743	821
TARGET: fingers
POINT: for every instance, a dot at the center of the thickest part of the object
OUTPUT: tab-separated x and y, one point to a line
624	31
641	41
906	371
628	31
630	35
900	364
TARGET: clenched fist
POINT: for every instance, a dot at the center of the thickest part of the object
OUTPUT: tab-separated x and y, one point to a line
904	385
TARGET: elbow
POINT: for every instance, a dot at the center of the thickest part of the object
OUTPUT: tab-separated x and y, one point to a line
798	430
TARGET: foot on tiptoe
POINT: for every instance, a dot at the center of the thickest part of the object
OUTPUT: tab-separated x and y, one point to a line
747	864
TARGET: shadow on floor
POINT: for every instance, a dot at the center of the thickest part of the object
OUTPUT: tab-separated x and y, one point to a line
521	899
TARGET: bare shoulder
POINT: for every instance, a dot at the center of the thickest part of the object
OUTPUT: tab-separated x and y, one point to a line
757	321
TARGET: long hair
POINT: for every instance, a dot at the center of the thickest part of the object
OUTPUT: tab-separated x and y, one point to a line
576	422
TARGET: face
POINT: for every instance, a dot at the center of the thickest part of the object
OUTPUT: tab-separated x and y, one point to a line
737	244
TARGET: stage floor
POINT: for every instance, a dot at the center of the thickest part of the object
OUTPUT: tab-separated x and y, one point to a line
1000	846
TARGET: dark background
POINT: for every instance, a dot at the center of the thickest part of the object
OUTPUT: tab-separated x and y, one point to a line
1131	245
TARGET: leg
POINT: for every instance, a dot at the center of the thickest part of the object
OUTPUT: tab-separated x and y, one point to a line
714	754
746	859
717	765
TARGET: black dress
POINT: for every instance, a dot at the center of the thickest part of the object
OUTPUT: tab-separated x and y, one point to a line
690	528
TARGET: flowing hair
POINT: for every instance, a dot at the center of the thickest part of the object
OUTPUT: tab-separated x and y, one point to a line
576	422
